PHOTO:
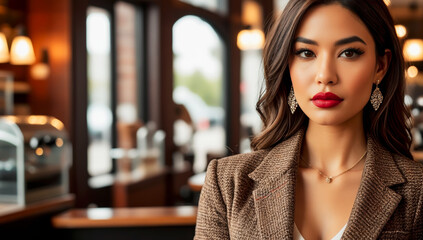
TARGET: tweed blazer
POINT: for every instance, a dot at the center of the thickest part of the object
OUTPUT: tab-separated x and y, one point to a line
252	196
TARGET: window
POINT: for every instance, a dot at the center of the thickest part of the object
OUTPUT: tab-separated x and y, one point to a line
198	89
251	81
99	111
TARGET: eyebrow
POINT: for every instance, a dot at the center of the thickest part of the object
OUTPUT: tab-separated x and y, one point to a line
337	43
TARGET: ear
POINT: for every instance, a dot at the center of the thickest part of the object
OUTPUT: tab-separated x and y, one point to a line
382	65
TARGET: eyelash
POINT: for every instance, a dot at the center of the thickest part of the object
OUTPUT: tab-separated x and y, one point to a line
356	51
302	50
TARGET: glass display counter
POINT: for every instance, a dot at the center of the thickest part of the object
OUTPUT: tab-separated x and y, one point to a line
35	156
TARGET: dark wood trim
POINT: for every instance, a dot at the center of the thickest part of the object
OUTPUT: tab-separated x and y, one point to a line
79	170
233	97
142	61
167	111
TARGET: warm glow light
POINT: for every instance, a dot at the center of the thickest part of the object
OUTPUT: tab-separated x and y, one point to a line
4	49
401	30
413	50
39	151
22	52
57	124
412	71
11	118
40	71
251	14
250	39
37	120
387	2
59	142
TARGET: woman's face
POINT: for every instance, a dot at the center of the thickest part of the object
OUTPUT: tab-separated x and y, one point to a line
333	65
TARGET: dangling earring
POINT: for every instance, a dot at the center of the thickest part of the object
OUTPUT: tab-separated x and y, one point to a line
376	98
292	101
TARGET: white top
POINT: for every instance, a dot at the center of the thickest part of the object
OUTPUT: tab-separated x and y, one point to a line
298	236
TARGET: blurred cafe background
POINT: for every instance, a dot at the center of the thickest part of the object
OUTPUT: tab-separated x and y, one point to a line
110	110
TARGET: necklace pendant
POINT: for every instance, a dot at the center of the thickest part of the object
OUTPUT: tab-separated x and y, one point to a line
328	180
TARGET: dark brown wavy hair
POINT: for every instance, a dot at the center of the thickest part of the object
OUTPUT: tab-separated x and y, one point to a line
390	125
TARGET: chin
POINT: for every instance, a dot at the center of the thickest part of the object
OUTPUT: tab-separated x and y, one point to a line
335	120
326	122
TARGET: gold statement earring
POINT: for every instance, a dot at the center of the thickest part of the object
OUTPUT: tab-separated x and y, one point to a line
292	101
377	97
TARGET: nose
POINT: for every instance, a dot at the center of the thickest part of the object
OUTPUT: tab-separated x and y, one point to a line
326	72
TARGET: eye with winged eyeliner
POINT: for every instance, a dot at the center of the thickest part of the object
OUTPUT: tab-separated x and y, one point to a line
304	53
347	53
354	51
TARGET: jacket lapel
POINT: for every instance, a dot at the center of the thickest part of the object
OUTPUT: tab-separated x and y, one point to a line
274	196
375	201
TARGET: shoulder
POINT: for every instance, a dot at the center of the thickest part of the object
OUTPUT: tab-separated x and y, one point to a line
412	191
411	170
240	163
412	188
230	174
235	168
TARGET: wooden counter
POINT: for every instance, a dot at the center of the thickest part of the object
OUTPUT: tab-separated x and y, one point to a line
13	212
126	217
153	223
32	221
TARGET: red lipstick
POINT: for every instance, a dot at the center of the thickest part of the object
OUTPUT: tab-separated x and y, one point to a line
326	100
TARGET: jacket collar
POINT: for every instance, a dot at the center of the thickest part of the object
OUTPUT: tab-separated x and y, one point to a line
280	158
274	195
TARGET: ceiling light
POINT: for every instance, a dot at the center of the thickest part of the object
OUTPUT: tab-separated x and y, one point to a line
413	50
401	30
22	52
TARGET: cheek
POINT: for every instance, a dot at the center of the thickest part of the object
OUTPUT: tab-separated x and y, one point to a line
302	76
358	78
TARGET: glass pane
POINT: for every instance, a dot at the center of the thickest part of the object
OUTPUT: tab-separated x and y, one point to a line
218	6
251	80
99	114
8	171
198	89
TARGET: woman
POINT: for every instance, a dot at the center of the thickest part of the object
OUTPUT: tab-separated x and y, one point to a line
333	160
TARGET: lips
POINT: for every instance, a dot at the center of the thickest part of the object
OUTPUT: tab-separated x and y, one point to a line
326	100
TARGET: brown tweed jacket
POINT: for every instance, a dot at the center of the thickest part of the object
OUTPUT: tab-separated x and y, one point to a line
251	196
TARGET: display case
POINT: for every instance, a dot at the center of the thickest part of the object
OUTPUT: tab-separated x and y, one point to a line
35	156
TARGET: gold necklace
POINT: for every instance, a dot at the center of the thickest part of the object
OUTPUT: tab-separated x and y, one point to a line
329	179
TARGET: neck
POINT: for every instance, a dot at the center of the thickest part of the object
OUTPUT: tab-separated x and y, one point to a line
334	148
